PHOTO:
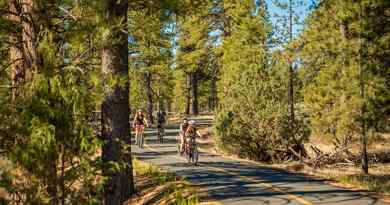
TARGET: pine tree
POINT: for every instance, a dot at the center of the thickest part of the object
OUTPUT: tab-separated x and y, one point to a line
152	55
334	54
251	121
282	39
192	54
49	144
15	51
116	153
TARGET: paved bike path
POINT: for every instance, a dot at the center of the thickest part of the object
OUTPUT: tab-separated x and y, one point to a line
236	182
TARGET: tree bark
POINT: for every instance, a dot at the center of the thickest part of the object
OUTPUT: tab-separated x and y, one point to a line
362	94
16	53
213	90
115	108
29	35
194	93
149	96
291	79
188	93
52	179
62	177
160	102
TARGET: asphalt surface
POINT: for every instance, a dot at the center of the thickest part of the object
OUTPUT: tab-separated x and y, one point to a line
236	182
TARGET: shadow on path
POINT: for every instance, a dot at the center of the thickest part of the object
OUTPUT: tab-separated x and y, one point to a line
240	182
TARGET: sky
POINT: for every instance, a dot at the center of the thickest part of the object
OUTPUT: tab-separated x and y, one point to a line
301	10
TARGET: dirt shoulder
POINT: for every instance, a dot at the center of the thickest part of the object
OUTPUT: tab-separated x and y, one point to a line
156	186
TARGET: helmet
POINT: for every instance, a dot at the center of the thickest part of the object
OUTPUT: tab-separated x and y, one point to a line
191	122
139	110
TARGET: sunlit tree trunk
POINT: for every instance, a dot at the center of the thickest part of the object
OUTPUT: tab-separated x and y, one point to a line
16	52
149	96
29	35
188	93
194	93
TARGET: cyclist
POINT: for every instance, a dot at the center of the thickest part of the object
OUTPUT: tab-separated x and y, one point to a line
191	134
139	123
191	130
183	129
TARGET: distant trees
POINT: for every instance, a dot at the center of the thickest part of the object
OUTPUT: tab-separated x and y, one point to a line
252	120
344	71
192	55
151	56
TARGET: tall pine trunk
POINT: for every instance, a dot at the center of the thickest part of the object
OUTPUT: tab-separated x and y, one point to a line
291	79
115	108
16	53
213	94
362	94
149	96
188	93
194	93
160	102
52	179
32	58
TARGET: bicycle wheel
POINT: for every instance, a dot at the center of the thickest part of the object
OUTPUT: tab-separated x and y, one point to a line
162	130
189	158
178	148
158	135
141	141
161	136
189	155
195	156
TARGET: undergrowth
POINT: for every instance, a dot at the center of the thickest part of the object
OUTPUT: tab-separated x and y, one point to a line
177	190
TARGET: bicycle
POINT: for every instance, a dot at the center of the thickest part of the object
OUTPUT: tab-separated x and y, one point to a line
160	133
140	137
178	144
191	151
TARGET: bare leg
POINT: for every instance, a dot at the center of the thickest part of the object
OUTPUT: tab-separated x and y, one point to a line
136	136
182	143
141	137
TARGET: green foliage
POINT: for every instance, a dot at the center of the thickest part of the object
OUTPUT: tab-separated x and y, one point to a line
151	52
253	117
194	57
48	141
330	68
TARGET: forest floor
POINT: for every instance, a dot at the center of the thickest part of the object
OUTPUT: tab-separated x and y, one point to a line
156	186
377	183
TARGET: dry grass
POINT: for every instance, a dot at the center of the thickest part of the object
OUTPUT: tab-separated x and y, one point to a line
159	187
